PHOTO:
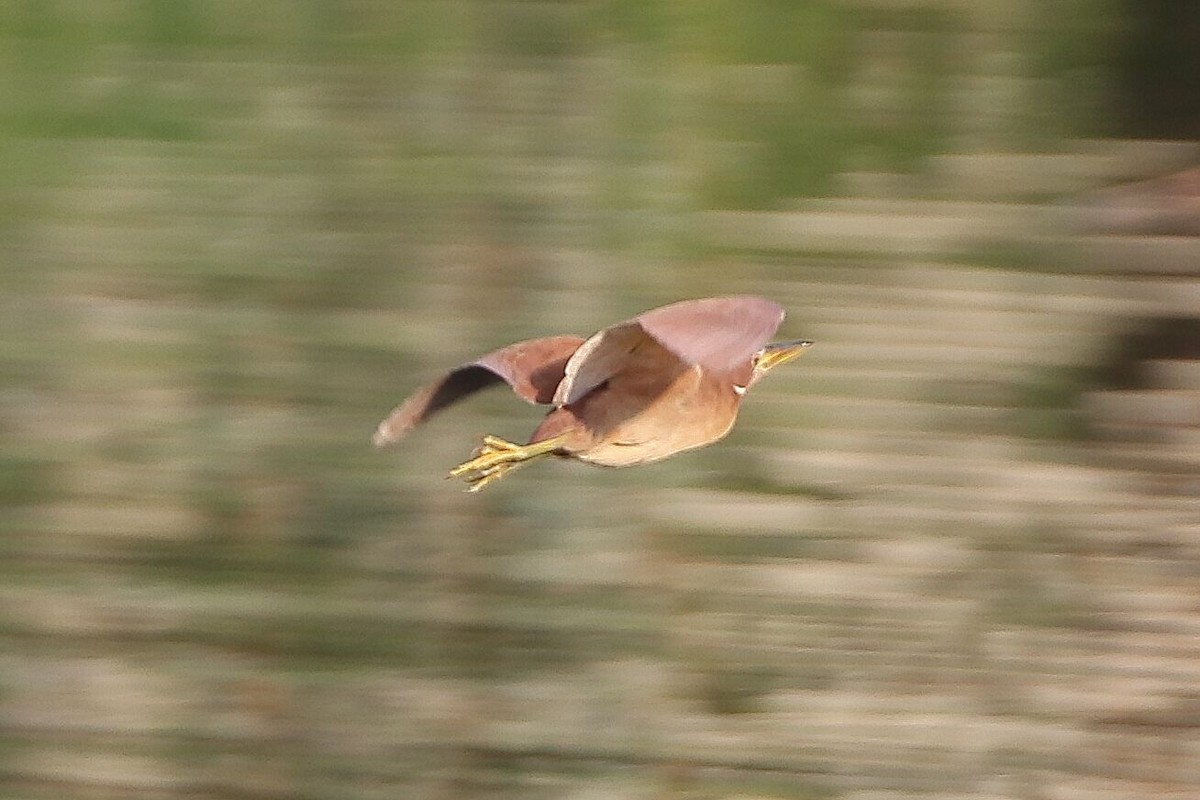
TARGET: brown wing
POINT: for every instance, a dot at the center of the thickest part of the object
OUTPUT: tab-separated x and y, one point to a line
533	368
720	334
597	360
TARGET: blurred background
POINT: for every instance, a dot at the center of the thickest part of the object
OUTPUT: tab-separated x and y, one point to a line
954	552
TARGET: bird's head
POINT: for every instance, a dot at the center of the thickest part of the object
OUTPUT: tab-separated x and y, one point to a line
775	354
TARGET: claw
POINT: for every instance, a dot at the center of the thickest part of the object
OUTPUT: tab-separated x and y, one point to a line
496	457
493	453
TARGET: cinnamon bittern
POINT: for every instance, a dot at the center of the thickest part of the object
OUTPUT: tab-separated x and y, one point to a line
666	381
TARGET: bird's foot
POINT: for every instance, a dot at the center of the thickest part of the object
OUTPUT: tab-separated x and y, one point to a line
495	458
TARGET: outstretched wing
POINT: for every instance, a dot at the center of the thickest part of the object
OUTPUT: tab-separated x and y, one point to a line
533	368
719	334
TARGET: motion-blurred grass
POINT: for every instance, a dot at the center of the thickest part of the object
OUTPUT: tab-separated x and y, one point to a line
235	233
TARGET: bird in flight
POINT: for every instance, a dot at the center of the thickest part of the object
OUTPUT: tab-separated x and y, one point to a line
668	380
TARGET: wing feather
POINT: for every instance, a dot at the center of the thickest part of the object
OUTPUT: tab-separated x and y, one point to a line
717	333
532	368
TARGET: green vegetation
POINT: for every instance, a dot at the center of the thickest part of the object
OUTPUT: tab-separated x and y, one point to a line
1051	405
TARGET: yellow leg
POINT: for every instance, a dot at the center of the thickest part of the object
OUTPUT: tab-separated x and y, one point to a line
496	457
